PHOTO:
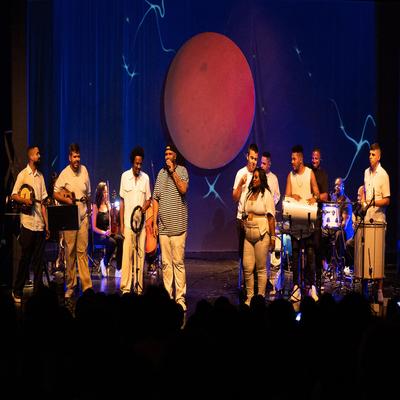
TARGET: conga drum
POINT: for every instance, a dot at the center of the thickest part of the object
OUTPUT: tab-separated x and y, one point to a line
370	263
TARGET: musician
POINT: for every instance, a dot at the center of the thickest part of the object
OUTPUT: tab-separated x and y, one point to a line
346	230
321	242
271	177
302	185
377	194
34	226
134	192
74	183
242	179
274	186
259	226
101	226
170	211
345	208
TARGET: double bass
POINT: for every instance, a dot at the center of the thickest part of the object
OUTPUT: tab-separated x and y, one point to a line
151	242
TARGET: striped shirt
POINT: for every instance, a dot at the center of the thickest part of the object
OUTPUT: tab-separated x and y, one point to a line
173	208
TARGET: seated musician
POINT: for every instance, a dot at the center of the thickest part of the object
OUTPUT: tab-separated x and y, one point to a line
101	226
346	230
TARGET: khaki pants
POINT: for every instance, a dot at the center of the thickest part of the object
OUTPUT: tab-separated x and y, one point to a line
255	252
132	260
76	243
173	258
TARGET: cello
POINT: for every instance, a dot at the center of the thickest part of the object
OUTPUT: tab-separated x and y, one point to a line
151	242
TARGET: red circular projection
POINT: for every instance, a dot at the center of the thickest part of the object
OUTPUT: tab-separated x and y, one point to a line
209	100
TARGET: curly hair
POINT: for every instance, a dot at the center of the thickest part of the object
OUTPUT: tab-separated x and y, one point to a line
263	182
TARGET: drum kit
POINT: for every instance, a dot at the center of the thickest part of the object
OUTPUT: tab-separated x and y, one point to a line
299	220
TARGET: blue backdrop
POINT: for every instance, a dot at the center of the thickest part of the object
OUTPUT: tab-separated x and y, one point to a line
97	70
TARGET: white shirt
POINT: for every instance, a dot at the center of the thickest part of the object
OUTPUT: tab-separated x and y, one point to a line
77	182
376	183
134	192
274	186
264	204
239	175
35	179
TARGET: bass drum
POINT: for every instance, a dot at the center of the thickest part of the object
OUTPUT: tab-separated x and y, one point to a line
370	264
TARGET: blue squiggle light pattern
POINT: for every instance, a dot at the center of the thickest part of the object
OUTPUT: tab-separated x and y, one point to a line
211	190
159	11
298	52
125	66
358	144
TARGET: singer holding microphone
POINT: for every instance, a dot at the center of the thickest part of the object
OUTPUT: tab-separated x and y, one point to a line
170	222
377	194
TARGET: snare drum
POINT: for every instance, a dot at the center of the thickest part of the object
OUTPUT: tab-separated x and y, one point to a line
374	251
330	215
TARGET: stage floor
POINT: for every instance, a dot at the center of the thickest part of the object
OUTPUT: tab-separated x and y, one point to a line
210	279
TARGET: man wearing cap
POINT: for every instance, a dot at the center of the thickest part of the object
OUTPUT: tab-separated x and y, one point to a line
170	218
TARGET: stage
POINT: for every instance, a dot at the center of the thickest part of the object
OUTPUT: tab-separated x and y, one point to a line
212	276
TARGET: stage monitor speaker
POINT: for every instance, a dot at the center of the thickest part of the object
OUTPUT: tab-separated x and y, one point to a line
63	218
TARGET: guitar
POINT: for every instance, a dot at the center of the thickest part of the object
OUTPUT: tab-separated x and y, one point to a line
67	194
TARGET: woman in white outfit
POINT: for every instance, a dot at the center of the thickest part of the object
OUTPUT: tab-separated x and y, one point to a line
259	224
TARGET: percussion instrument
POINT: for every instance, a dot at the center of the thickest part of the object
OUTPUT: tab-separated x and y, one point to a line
330	215
370	264
300	214
137	219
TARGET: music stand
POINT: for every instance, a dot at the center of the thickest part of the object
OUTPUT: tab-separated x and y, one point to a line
63	218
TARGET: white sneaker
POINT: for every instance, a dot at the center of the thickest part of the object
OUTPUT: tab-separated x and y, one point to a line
346	271
103	269
313	293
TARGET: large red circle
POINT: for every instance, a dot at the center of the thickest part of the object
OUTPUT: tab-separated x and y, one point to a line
209	100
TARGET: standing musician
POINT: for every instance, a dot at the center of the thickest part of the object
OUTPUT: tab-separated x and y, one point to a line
377	194
74	183
34	226
101	226
242	179
272	179
320	242
302	186
170	220
135	195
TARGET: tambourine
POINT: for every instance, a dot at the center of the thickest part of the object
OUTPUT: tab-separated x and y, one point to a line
137	219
